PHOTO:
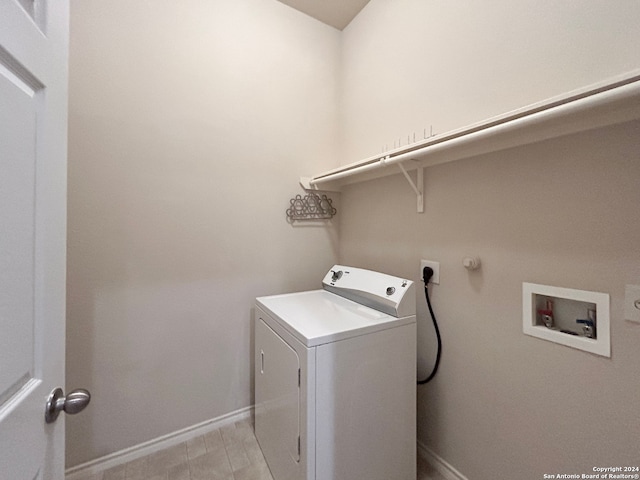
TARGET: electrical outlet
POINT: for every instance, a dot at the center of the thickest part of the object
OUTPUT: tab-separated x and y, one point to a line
632	303
436	270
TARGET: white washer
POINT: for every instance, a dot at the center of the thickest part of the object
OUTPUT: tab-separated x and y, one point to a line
335	379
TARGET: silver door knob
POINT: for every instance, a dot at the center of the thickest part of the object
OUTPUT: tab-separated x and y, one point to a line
73	403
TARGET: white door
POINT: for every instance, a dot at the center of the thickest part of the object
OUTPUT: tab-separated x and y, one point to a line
33	151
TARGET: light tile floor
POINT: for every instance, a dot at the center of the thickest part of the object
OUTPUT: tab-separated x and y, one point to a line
229	453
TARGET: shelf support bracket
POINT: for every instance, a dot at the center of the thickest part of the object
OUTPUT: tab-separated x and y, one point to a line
419	189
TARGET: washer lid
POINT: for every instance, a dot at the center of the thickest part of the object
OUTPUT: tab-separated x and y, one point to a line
318	316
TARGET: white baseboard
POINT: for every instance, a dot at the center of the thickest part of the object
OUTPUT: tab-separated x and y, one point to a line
147	448
155	445
436	461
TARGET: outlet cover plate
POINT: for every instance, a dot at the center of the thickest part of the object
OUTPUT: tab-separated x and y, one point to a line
436	270
632	303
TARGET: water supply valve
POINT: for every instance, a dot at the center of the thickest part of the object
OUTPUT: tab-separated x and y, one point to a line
588	327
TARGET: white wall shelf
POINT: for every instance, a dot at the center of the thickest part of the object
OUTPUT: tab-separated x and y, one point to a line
610	102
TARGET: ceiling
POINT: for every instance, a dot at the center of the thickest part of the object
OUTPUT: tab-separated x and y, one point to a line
337	13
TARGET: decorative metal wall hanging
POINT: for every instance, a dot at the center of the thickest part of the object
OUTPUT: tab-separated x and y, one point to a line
310	207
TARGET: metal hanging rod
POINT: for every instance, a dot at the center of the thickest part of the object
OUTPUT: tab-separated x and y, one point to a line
598	105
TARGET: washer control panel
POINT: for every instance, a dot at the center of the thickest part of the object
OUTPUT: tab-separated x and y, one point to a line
386	293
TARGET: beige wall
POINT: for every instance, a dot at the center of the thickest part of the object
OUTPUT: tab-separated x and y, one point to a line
410	64
190	123
561	212
189	127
